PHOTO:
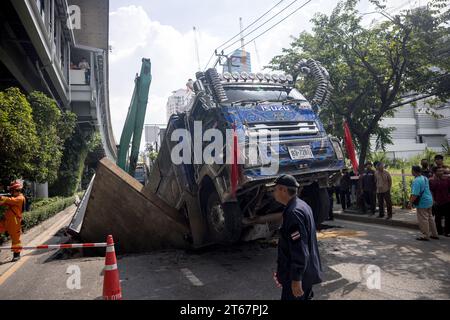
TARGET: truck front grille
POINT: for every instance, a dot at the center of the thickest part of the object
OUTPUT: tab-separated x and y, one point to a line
297	128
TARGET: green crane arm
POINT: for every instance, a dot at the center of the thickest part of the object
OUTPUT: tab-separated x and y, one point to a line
134	124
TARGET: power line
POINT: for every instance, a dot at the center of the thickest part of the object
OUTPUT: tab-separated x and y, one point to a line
252	24
273	17
387	12
267	30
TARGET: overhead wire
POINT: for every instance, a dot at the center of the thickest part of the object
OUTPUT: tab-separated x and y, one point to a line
276	24
263	24
248	27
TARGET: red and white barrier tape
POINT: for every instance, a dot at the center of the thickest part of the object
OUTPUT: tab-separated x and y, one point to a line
59	246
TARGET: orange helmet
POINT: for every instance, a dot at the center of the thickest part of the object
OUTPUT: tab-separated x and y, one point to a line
15	186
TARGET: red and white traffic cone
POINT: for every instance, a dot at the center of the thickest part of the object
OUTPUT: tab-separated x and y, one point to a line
111	281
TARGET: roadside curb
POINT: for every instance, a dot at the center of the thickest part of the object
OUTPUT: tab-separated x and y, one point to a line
355	216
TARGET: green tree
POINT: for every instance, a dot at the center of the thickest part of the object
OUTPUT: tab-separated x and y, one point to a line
53	128
93	158
18	138
77	148
373	70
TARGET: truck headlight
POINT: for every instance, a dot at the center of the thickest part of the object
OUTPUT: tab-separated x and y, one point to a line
236	76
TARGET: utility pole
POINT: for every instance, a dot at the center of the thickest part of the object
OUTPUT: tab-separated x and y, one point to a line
242	34
257	56
244	54
196	48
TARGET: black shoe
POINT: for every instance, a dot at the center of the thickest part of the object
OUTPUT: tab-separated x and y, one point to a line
447	235
422	239
381	217
388	217
16	257
434	238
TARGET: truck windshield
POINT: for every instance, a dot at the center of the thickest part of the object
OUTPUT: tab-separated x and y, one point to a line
253	94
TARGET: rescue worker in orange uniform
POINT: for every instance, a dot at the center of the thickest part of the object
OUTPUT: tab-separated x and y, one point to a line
12	222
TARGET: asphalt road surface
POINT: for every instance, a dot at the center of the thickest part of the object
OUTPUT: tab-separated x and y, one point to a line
361	261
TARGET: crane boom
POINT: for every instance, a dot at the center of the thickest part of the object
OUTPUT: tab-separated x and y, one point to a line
134	124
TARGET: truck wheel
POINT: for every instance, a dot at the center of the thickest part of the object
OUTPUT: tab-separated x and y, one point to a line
224	220
317	199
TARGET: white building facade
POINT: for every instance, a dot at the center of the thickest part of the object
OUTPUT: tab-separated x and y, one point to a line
416	128
178	102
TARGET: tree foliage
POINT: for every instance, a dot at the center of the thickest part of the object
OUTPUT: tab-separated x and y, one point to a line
32	134
373	70
92	160
53	128
72	166
18	138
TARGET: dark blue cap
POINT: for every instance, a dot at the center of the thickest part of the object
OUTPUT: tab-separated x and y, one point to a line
287	181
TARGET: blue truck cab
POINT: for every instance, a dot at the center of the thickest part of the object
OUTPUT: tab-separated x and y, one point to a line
278	132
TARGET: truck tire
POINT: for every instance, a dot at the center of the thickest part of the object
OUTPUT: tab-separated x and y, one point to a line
317	198
224	220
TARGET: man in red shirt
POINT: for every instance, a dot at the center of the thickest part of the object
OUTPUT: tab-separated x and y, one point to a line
440	187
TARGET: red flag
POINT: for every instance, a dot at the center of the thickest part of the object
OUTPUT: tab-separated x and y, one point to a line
350	147
234	164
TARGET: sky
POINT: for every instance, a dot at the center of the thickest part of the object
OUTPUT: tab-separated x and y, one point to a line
162	30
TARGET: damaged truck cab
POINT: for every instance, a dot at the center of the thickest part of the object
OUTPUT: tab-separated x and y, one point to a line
276	128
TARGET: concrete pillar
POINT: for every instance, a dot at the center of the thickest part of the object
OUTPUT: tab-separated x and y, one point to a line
41	190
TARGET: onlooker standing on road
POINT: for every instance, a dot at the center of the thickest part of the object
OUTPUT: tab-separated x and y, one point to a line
426	172
439	163
440	188
330	198
345	187
384	184
299	266
369	188
337	189
423	201
354	187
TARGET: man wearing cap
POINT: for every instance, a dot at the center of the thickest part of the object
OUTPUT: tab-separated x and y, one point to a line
299	266
12	222
345	187
369	188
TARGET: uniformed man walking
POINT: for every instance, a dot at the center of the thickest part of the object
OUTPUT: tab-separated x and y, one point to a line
299	266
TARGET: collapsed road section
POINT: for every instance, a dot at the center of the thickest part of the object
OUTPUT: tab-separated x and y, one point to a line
115	204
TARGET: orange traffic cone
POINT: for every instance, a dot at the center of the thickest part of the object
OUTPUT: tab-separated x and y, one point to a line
111	281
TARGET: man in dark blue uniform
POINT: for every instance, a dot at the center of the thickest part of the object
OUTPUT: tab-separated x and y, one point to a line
299	266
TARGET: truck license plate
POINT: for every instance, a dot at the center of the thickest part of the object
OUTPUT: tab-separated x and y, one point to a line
301	153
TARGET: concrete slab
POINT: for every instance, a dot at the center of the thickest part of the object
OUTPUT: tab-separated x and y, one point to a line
138	222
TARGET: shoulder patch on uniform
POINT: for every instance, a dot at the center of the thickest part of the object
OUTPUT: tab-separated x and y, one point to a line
295	236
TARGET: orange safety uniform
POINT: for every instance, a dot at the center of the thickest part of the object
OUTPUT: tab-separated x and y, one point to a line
12	222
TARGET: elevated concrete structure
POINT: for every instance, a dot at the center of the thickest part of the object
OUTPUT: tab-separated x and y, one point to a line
40	45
